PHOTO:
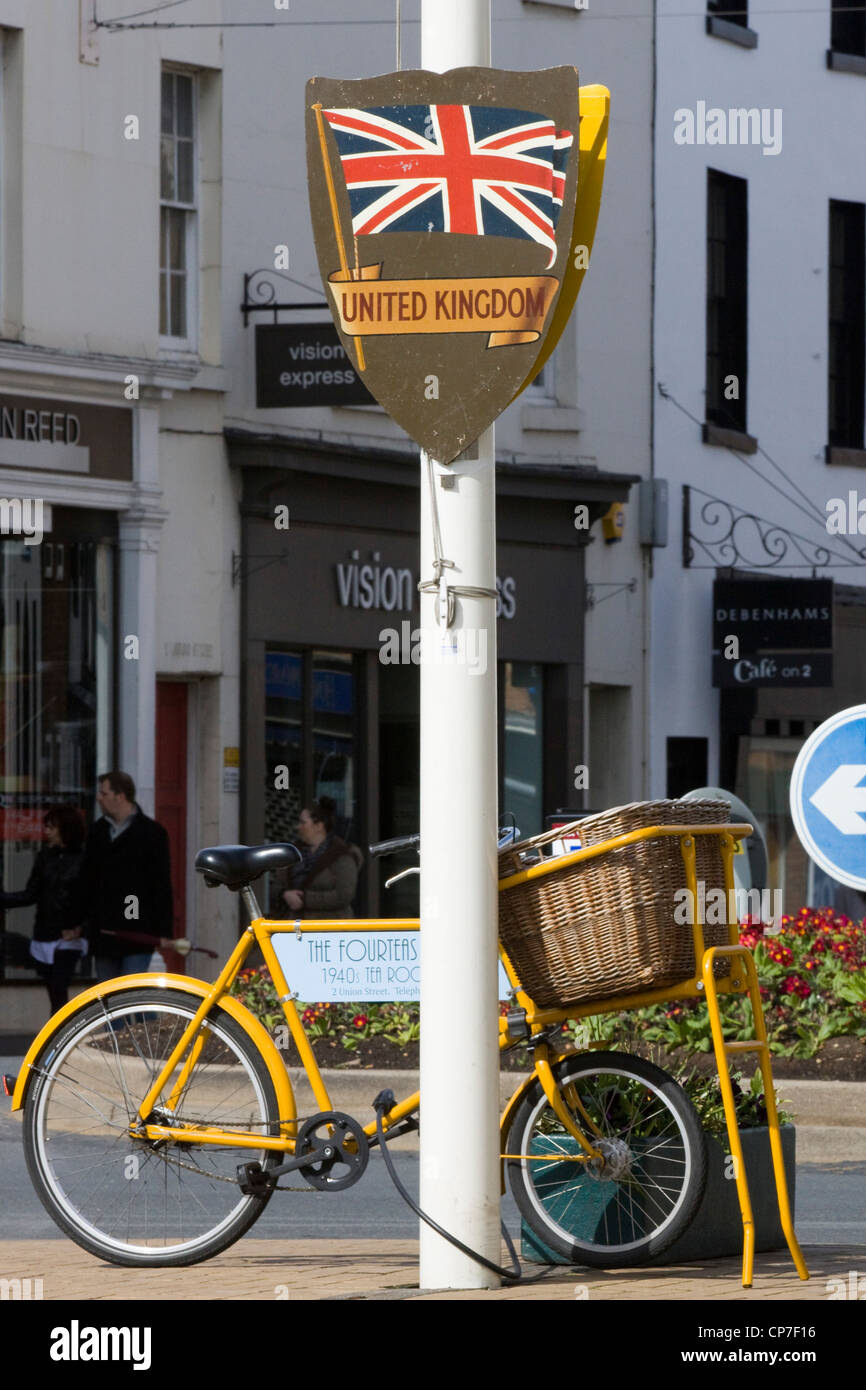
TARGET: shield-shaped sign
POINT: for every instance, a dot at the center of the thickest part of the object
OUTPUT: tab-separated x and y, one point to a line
443	209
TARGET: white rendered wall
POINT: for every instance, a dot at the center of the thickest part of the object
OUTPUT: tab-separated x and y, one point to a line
823	118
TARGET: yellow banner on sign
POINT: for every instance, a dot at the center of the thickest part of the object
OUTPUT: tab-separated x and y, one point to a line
511	308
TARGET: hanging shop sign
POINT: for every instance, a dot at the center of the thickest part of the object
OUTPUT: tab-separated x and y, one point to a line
443	210
300	365
783	630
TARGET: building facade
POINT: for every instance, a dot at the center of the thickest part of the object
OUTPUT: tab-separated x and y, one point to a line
759	409
119	633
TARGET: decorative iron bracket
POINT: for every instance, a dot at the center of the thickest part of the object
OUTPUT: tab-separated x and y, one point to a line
260	294
718	534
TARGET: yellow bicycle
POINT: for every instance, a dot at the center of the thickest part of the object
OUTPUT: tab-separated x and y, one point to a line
159	1116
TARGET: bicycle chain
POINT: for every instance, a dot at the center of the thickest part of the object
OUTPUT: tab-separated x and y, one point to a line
226	1124
217	1177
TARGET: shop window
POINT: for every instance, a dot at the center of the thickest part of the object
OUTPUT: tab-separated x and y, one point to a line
284	773
764	767
56	686
847	324
334	744
522	686
727	300
311	746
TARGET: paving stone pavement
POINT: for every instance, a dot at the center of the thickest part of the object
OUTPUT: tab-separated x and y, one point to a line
831	1127
379	1270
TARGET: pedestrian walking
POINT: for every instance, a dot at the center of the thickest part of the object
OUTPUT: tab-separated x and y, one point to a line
57	944
323	884
124	896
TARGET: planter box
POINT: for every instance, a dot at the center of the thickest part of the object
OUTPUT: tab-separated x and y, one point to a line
717	1228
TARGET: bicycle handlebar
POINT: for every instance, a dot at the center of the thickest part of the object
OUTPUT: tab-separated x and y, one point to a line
383	847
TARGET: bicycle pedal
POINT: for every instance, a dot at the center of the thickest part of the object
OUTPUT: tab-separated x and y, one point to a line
253	1180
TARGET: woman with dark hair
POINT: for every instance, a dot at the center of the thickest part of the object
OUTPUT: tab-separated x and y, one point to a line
323	884
56	945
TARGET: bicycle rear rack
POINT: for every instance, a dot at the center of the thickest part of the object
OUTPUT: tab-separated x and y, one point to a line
742	979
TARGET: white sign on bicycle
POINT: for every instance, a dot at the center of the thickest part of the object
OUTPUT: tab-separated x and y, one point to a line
333	967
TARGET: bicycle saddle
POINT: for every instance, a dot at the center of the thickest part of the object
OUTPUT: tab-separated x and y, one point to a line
237	865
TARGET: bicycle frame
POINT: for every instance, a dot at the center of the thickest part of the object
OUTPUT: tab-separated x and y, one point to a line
531	1025
536	1021
261	930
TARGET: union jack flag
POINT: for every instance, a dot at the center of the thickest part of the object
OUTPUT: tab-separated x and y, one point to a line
482	170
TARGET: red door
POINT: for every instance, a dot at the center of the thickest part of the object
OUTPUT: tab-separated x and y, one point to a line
171	775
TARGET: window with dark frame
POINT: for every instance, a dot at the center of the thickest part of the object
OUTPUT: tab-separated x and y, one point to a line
729	10
848	27
846	354
727	300
177	191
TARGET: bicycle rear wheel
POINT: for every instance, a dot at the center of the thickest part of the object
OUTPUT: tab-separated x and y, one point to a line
144	1202
646	1189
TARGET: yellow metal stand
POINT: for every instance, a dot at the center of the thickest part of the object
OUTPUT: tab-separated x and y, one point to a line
741	959
741	978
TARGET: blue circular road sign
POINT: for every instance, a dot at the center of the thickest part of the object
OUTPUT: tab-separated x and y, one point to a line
828	796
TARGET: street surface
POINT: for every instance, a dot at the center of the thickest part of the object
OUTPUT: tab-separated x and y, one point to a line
830	1199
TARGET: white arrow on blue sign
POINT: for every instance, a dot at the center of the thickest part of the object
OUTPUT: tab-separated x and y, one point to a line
828	796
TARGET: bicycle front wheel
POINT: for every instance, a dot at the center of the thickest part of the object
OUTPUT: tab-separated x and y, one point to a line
633	1202
136	1201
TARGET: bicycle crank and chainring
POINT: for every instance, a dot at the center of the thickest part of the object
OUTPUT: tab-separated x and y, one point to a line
340	1149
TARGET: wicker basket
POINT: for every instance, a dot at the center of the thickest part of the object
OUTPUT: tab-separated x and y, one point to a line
606	926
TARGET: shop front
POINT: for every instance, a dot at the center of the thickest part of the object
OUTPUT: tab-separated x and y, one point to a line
802	658
65	474
331	645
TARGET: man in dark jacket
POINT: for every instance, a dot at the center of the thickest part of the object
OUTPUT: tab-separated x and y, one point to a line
124	897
